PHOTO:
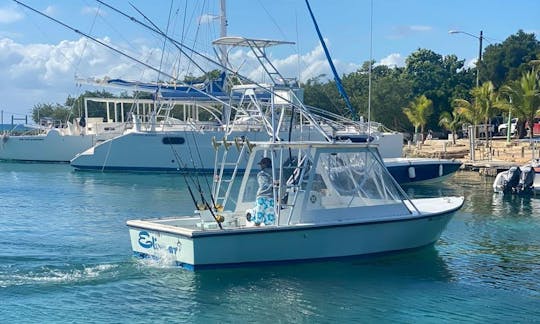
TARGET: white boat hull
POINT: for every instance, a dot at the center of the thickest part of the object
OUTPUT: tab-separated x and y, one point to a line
146	151
52	147
250	245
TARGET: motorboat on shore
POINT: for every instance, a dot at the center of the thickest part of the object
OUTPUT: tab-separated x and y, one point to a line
330	200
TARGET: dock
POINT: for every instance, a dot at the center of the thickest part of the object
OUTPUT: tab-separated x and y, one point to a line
490	157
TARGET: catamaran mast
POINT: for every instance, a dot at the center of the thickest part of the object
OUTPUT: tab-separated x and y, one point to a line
223	32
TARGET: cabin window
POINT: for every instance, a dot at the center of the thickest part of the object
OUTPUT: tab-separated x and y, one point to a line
173	140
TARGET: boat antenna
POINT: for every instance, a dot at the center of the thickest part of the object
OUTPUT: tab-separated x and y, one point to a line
370	68
337	79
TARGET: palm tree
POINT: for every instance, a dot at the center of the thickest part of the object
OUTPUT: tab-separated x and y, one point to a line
485	100
451	122
524	96
468	112
418	113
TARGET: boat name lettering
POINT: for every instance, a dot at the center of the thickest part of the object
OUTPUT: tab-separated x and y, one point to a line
147	241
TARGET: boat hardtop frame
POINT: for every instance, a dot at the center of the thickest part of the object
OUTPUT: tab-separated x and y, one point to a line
314	184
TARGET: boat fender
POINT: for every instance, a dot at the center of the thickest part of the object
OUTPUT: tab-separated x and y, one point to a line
441	170
412	172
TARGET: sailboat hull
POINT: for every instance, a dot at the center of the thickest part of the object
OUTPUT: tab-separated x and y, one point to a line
52	147
193	150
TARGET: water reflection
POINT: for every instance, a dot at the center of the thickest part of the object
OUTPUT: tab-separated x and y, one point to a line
492	241
295	291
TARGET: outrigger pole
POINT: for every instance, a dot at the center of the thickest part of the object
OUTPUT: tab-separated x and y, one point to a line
178	44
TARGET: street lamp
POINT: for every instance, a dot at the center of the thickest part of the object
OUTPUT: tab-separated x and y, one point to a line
472	132
480	38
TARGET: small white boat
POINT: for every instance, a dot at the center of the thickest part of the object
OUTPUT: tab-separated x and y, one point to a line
57	141
330	200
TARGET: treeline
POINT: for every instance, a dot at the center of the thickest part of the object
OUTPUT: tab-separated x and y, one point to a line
74	106
430	92
443	80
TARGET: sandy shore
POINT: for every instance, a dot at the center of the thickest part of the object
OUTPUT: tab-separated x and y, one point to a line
497	150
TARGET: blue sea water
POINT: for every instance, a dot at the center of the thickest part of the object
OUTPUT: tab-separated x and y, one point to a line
65	257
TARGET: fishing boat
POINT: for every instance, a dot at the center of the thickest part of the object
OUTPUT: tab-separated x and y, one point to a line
328	200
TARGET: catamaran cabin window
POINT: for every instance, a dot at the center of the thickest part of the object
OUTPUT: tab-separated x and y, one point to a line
173	140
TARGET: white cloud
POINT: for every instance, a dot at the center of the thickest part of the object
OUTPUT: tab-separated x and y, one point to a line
50	10
470	63
403	31
45	73
392	60
92	11
9	15
419	28
38	73
207	18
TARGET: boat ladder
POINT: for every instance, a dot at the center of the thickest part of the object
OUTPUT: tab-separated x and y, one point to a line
266	64
223	178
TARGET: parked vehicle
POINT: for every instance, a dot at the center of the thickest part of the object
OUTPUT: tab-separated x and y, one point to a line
504	127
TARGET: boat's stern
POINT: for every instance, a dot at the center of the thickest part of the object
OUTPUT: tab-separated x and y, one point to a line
154	240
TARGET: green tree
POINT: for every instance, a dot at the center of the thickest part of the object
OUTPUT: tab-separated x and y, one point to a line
323	95
524	95
440	78
389	92
486	100
451	122
468	112
507	61
53	111
418	112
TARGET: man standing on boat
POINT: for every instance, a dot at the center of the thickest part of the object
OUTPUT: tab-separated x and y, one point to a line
264	209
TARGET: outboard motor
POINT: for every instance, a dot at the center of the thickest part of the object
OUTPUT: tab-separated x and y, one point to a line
526	180
512	180
499	185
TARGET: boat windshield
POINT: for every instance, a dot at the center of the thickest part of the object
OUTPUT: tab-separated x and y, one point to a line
359	176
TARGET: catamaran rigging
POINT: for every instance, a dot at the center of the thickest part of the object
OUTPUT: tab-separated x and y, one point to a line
337	79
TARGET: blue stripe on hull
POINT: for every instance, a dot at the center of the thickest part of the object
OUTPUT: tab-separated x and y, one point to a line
423	172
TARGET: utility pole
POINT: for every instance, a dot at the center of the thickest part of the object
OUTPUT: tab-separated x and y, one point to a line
479	59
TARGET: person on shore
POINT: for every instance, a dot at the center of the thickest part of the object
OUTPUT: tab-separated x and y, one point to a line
263	213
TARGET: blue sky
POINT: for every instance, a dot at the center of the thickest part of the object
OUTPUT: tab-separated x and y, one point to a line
41	59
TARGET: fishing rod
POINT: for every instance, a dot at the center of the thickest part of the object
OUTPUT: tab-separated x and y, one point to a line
224	67
195	63
123	54
136	60
158	29
174	151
